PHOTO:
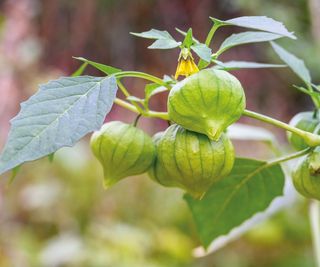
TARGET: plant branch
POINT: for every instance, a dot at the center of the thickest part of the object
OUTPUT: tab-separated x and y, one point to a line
150	113
314	214
310	138
202	64
127	94
289	157
138	74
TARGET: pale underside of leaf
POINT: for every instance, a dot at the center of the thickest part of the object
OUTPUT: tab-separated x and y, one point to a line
249	189
261	23
58	115
236	65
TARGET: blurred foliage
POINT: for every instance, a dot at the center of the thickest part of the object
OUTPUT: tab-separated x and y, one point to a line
58	214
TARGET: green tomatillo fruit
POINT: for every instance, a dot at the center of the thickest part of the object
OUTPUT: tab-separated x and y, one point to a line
306	178
123	150
207	102
307	121
190	160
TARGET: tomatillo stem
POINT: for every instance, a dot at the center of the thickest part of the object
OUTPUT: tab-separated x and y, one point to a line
310	138
150	113
138	74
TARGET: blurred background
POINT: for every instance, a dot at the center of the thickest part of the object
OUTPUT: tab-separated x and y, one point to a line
58	214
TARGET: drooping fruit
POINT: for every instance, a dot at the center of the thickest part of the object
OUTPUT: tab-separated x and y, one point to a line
123	150
191	160
306	178
207	102
307	121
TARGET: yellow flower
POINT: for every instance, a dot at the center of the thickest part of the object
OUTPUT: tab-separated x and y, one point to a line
186	65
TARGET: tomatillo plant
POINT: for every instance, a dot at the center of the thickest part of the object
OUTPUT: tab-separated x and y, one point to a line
195	153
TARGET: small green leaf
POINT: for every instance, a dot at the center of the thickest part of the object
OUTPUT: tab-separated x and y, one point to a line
261	23
104	68
164	44
51	157
248	189
152	89
184	34
235	65
296	64
246	38
203	51
80	70
163	39
14	173
188	40
58	115
153	34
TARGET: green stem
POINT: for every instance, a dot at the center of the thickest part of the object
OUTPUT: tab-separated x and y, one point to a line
315	98
314	214
310	138
138	74
202	64
289	157
127	94
150	113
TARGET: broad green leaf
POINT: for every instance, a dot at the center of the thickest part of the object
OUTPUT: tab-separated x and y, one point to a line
104	68
279	203
248	189
188	40
80	70
58	115
235	65
296	64
203	51
164	44
261	23
246	38
153	34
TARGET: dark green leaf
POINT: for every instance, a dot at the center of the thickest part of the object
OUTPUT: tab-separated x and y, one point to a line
246	38
164	44
296	64
261	23
58	115
249	189
235	65
104	68
203	51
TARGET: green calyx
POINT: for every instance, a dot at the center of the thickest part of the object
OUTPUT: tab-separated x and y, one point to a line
306	178
207	102
190	160
123	150
307	121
